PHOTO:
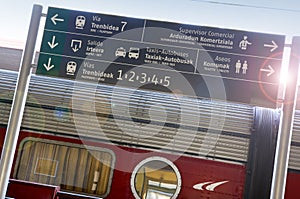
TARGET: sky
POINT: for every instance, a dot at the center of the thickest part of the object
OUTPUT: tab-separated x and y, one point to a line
268	16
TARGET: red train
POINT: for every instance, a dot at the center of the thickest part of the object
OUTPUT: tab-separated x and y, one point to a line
80	140
184	178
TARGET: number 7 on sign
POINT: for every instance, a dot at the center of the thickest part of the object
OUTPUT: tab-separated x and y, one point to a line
124	23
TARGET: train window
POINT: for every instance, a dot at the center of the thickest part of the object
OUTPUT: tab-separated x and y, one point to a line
155	177
72	167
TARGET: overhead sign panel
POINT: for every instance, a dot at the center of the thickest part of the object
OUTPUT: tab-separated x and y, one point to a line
163	56
93	24
213	39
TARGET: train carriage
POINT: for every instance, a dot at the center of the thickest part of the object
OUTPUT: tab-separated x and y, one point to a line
101	141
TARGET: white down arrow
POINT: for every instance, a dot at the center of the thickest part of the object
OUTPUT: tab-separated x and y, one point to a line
48	66
52	44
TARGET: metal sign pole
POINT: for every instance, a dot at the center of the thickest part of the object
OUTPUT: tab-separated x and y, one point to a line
18	105
286	125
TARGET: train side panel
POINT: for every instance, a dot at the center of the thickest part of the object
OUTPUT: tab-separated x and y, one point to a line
200	178
292	185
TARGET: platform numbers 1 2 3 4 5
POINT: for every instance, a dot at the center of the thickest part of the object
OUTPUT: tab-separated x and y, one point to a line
144	78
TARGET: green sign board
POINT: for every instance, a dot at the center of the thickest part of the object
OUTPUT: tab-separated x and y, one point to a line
162	56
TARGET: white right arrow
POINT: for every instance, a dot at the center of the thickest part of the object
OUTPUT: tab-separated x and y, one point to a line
49	66
54	19
273	46
270	70
52	44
